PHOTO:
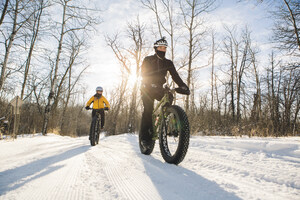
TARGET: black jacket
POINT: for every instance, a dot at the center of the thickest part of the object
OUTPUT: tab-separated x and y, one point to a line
154	71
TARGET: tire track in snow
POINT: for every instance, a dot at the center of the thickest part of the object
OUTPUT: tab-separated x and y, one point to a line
67	184
53	175
125	174
171	181
93	178
242	172
251	165
67	180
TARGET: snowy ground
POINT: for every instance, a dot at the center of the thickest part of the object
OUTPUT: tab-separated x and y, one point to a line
55	167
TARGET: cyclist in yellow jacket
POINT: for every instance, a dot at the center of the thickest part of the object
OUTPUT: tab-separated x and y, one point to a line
100	104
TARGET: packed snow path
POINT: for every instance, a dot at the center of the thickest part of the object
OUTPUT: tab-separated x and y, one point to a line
56	167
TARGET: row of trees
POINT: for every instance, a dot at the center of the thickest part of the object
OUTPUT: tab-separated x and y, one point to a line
42	45
251	92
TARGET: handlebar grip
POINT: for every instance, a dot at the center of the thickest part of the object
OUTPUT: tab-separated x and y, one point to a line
182	91
87	108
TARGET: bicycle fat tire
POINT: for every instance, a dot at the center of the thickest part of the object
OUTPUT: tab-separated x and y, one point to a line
97	131
184	136
93	131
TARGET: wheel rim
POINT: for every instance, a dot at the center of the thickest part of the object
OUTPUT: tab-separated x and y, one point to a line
171	133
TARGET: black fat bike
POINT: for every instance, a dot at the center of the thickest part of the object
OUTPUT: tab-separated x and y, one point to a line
171	127
95	128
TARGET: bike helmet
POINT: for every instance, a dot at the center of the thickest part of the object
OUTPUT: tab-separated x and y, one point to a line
99	88
161	42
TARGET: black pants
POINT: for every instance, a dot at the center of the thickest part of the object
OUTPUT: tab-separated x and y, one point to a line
102	116
148	96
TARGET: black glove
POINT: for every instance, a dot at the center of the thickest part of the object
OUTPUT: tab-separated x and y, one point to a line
87	107
183	89
106	108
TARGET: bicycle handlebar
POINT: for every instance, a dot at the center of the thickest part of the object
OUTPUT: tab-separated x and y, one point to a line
179	90
105	109
182	91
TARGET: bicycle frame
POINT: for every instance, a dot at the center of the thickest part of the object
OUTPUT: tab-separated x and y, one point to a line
170	125
158	112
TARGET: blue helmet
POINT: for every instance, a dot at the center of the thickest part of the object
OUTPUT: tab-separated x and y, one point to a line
99	88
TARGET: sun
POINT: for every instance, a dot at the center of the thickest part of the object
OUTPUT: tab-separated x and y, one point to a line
132	79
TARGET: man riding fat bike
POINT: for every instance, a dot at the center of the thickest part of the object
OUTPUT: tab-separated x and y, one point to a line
154	70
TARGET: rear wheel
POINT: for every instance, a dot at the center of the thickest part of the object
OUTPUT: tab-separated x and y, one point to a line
174	135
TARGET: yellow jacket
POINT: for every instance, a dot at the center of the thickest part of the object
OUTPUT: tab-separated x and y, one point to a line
98	103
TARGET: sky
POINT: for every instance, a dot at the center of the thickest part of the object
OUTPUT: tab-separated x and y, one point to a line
104	68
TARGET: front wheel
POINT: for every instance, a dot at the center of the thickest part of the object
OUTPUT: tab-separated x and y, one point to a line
174	135
94	131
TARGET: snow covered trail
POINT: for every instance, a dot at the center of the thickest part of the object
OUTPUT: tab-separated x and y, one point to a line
56	167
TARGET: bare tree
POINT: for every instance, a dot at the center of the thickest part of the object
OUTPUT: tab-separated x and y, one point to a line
191	11
4	11
296	113
75	20
286	31
212	70
256	112
137	51
19	19
238	52
130	58
38	7
286	14
152	5
114	44
164	11
274	94
75	50
290	91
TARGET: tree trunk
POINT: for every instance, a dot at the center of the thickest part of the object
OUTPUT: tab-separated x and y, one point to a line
54	79
4	12
232	93
35	32
8	47
294	23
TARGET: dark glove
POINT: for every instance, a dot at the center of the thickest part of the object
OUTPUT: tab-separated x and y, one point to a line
183	89
87	107
106	108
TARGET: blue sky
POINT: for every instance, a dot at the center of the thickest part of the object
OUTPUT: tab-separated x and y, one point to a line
105	69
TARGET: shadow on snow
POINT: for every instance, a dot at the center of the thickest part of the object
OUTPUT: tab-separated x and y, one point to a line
176	182
14	178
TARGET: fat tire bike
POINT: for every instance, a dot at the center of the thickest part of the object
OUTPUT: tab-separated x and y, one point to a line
171	127
95	128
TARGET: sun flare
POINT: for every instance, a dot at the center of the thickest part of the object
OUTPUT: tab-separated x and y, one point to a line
133	78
